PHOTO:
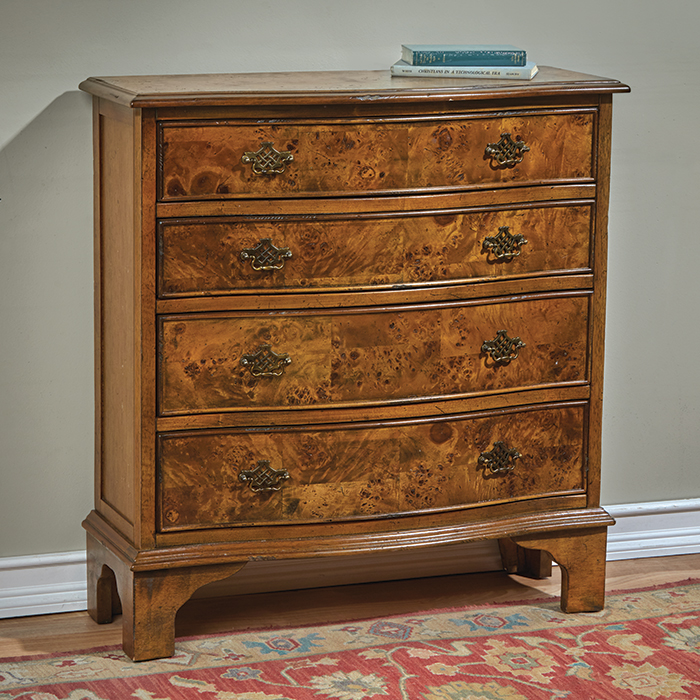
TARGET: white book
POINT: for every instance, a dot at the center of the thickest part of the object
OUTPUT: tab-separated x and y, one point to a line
526	72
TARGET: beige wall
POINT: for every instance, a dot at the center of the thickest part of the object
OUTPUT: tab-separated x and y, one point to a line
47	47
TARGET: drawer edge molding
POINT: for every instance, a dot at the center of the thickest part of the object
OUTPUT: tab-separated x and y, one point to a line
403	411
213	415
477	199
436	415
305	198
397	295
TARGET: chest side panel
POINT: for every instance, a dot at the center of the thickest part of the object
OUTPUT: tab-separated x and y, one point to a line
116	321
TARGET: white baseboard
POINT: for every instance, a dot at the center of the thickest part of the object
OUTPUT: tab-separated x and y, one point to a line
42	584
656	529
52	583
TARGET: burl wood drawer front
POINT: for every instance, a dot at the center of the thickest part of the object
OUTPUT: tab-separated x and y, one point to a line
213	479
230	361
202	159
225	256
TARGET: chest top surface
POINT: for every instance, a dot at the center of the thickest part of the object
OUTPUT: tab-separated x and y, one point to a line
330	86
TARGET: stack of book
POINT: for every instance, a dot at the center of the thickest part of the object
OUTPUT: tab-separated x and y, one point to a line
455	61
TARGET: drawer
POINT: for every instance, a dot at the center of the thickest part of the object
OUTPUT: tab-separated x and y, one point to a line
228	256
237	477
234	361
282	158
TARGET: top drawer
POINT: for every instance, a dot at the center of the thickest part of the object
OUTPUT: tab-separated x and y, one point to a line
224	159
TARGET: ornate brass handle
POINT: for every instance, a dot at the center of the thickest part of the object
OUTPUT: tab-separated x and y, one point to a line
263	477
267	160
506	153
502	348
504	245
266	363
266	256
499	460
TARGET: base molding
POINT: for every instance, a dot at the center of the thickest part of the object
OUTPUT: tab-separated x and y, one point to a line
53	583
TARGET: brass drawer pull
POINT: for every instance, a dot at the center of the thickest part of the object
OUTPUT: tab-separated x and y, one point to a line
267	160
504	245
506	153
263	477
502	348
264	362
499	460
266	256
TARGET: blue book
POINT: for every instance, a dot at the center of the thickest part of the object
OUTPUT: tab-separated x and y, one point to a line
463	55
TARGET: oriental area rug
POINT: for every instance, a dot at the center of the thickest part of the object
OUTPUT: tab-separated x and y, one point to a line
645	644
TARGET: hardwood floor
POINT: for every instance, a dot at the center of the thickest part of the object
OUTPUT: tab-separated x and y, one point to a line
74	631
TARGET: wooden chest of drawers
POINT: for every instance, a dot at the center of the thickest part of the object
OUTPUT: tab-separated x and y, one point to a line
340	313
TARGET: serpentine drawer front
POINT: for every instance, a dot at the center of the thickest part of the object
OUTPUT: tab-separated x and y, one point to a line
224	362
222	159
227	256
344	313
215	479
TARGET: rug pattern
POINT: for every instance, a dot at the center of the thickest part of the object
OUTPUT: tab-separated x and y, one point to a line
645	644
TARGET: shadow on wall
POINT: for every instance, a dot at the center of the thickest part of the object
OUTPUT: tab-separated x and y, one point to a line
46	326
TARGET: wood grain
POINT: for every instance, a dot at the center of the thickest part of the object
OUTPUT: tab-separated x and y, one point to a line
380	356
383	309
116	338
340	473
332	87
204	160
581	555
382	203
336	472
203	256
147	601
600	253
